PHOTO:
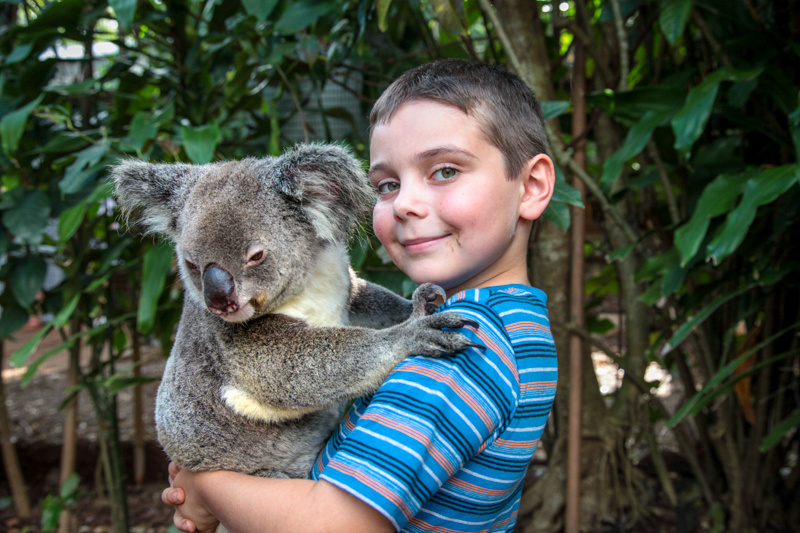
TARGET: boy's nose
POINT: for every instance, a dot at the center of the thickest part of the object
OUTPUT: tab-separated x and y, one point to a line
409	202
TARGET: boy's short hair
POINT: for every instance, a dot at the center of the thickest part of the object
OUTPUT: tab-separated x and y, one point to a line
506	109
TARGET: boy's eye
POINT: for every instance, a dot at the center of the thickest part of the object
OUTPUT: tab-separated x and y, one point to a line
445	173
387	187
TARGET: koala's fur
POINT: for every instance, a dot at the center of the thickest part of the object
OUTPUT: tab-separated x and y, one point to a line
264	357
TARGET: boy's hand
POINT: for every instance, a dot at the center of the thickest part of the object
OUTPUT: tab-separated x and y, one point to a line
191	515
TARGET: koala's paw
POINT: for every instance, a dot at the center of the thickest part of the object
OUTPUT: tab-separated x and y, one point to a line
429	339
423	298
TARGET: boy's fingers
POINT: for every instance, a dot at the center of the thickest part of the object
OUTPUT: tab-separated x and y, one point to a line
172	496
187	526
174	469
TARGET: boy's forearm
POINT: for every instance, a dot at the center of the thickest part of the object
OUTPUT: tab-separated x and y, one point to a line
247	504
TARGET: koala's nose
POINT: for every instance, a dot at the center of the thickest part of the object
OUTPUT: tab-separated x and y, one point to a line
219	291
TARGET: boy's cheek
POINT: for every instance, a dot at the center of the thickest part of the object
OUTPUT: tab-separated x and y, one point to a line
382	224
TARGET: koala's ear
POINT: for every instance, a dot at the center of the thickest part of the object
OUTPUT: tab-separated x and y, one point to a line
157	192
330	185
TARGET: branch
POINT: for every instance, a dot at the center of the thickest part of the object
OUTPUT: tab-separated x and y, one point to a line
296	101
706	31
565	161
351	91
662	172
574	27
486	7
622	37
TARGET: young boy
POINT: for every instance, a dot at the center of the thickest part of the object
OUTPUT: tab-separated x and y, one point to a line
458	160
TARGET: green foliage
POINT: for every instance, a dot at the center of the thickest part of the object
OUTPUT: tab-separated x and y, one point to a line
53	505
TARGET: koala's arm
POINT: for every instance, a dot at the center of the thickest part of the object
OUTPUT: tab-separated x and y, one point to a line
373	306
290	367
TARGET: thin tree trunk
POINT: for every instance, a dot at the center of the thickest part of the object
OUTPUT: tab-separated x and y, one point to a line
69	441
139	457
22	505
572	518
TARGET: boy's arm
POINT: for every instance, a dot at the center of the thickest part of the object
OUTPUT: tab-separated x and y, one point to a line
246	503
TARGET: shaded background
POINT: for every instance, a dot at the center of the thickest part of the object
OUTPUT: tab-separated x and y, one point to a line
674	122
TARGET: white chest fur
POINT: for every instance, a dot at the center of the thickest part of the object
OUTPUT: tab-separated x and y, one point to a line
324	302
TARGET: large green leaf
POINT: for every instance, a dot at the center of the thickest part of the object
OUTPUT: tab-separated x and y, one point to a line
28	219
637	138
759	190
156	265
673	18
554	108
20	357
201	142
691	120
778	432
13	124
70	220
124	10
27	278
717	198
383	12
14	317
260	8
20	52
558	214
300	15
85	167
143	126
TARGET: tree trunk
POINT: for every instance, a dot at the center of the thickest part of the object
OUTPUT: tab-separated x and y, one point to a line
10	460
542	505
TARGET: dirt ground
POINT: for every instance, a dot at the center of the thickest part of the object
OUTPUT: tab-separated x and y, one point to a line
37	425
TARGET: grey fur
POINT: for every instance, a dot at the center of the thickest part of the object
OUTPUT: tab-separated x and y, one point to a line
259	389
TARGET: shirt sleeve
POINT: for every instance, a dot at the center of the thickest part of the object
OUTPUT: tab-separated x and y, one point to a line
428	419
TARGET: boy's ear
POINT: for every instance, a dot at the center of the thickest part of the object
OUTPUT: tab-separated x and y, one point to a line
538	182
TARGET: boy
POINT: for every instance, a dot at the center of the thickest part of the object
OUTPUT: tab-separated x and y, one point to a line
458	160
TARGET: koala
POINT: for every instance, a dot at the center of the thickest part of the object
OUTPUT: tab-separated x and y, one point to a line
276	333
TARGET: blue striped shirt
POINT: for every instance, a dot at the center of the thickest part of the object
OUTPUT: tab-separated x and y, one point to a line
444	444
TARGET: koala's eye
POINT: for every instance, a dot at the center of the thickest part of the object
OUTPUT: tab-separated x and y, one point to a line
192	266
256	258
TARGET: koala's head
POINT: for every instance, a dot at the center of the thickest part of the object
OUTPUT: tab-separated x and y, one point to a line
247	232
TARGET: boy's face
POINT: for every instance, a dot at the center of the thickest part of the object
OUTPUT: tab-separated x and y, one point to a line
446	212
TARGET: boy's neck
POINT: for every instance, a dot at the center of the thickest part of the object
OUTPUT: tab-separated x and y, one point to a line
515	277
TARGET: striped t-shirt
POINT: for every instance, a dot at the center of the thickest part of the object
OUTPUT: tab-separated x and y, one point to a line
444	444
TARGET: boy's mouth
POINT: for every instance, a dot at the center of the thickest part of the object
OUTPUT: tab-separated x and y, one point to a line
422	243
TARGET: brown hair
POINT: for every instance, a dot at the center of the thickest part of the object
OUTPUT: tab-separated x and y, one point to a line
506	109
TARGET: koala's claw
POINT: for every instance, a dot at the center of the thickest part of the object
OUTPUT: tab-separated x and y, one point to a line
423	298
475	345
469	322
